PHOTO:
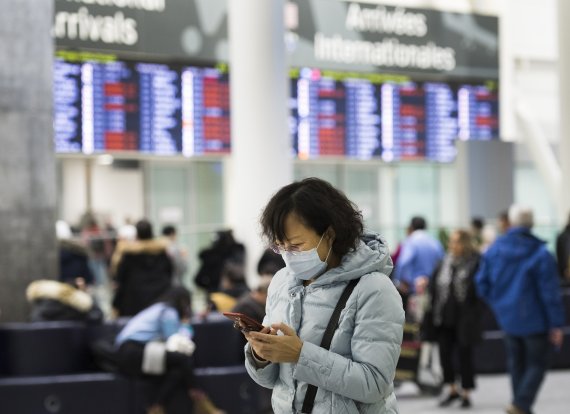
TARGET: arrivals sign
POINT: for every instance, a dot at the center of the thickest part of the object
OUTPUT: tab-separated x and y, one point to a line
368	37
333	34
148	29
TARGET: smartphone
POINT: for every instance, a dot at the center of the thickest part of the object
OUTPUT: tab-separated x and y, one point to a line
250	323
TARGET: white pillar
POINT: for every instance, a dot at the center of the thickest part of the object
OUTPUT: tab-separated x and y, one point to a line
388	214
261	160
507	86
564	111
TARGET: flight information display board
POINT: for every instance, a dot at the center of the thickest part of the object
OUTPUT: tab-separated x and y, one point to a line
151	108
169	109
367	116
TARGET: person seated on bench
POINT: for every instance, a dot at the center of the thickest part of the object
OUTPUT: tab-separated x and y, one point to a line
51	300
156	343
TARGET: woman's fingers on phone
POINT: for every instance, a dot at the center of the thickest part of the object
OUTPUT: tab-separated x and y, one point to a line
268	330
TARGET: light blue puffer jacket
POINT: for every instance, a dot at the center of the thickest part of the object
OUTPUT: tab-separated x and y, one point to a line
356	375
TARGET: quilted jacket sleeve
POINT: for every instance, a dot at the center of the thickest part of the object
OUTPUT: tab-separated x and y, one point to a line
266	375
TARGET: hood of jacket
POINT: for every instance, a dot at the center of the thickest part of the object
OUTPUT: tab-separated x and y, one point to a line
72	247
371	255
61	292
517	244
151	246
359	369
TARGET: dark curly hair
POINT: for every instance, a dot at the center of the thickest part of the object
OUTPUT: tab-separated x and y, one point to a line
319	206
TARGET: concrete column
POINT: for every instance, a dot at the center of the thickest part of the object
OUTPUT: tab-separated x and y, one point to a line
27	161
564	110
485	183
261	160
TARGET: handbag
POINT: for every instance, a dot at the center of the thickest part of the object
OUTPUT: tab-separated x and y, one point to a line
154	358
309	400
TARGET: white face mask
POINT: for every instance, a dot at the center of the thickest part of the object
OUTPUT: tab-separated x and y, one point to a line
306	264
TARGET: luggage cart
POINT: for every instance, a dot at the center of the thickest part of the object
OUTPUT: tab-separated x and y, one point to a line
419	361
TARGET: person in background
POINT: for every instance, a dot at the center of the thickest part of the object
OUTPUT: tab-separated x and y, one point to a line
269	263
454	313
66	299
489	235
253	303
419	257
110	236
73	258
477	225
142	270
93	237
157	342
319	233
127	231
519	280
177	254
443	237
232	287
51	300
503	222
563	251
214	258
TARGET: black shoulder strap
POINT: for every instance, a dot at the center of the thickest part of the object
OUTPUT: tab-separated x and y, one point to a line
327	339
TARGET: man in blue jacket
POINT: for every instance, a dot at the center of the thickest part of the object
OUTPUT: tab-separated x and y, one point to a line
518	279
419	257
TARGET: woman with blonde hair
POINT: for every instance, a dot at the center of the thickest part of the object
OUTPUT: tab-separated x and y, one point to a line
454	314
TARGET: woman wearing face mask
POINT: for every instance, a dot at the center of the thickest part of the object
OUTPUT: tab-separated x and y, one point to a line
319	234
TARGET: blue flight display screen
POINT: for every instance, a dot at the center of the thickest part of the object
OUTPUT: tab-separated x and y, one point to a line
176	109
388	117
150	108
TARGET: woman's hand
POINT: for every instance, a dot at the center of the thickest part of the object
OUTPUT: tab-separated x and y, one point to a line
266	330
276	348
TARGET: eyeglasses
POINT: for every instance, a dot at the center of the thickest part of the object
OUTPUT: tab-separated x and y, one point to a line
294	250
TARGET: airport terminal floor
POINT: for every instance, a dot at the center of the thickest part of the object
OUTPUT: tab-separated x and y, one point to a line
492	396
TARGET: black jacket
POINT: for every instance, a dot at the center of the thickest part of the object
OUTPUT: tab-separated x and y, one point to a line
213	260
74	263
144	272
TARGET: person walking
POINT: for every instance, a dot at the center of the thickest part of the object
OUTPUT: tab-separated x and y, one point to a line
454	314
519	280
